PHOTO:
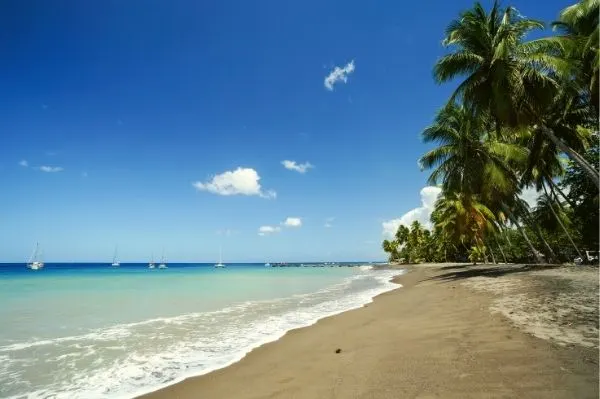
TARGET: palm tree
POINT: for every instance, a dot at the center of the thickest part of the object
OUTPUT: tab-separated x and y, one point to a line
507	78
390	247
468	158
471	161
578	40
463	219
546	203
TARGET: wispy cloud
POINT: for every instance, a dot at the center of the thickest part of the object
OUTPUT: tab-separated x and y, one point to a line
266	230
51	169
429	195
24	163
227	232
298	167
292	222
339	75
242	181
329	222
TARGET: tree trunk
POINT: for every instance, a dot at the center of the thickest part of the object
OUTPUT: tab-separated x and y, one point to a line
550	255
557	188
561	224
523	233
573	155
493	257
501	251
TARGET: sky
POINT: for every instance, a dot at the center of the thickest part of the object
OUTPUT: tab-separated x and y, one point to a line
279	131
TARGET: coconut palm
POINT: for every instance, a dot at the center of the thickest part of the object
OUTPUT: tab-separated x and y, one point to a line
551	216
507	78
468	159
463	218
578	40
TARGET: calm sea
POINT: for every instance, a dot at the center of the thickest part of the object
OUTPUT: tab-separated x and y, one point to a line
92	331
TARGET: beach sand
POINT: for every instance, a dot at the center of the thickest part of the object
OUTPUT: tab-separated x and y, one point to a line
450	332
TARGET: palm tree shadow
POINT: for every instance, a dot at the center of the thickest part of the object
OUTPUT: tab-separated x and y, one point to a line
487	271
454	267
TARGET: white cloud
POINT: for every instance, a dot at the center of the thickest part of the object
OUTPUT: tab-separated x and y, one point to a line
530	195
265	230
329	222
429	195
339	75
51	169
242	181
24	163
292	222
298	167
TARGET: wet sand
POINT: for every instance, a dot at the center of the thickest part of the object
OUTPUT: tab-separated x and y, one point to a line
449	332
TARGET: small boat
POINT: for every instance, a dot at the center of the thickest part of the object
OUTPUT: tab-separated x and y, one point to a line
35	261
163	263
220	264
115	262
267	264
151	265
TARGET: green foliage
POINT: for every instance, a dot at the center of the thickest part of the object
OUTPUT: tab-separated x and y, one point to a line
584	195
476	254
520	108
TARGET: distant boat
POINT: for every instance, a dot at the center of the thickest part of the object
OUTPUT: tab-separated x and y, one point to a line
35	261
115	262
220	264
267	264
163	263
151	265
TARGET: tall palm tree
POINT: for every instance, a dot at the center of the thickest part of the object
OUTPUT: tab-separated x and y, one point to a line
511	80
578	39
468	158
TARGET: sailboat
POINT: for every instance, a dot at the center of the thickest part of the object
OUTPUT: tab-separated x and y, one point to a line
220	264
151	265
115	262
35	262
163	264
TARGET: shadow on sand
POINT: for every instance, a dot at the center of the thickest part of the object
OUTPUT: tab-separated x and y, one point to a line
468	271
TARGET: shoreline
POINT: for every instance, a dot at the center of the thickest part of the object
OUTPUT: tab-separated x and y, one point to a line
400	269
432	337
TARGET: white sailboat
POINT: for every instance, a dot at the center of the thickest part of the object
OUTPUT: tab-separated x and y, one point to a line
220	264
115	262
35	261
163	263
151	265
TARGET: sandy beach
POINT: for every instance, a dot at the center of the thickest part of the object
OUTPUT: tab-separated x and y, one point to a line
451	331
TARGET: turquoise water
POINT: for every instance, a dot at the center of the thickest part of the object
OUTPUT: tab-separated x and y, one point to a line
88	331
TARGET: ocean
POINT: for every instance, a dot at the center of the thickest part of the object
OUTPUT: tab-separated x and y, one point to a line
92	331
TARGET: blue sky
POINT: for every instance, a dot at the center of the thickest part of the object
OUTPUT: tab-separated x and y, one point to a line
129	113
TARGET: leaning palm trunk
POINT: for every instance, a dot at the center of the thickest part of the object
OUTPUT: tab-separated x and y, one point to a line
561	223
501	251
493	257
523	233
562	193
550	255
573	155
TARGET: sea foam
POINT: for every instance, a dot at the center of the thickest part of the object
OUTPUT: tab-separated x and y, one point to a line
130	359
